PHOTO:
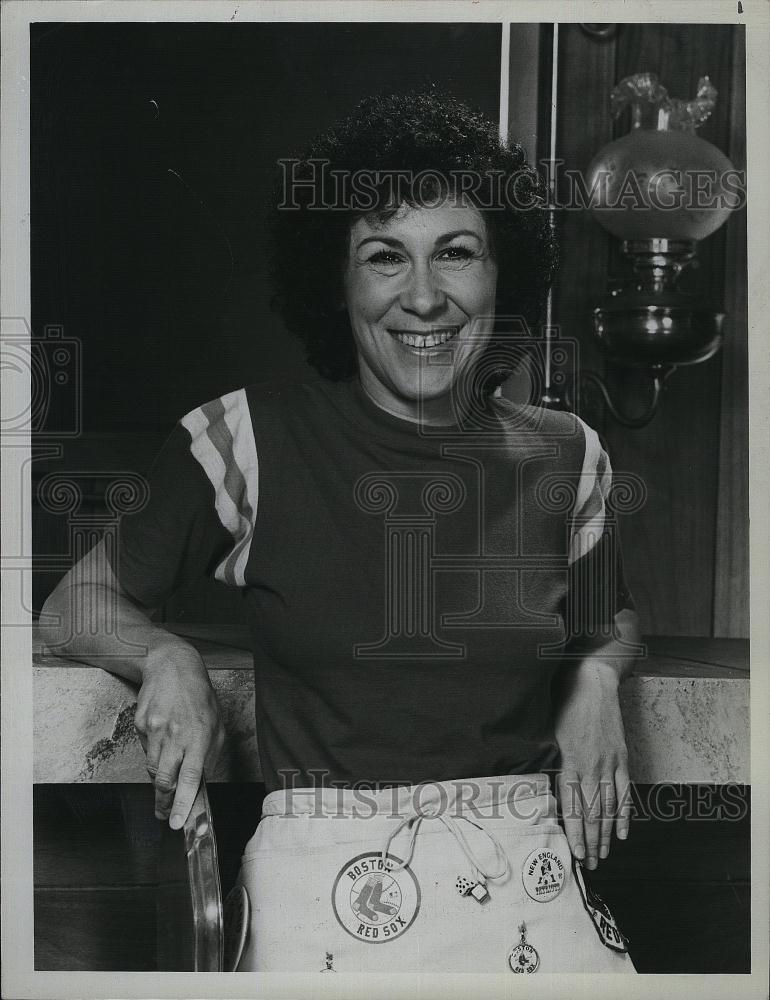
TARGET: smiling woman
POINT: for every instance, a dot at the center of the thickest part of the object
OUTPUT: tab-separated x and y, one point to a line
432	576
421	279
391	153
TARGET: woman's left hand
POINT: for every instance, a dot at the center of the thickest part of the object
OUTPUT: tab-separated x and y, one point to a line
593	785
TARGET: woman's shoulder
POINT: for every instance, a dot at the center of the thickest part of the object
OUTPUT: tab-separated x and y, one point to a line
268	404
577	443
527	417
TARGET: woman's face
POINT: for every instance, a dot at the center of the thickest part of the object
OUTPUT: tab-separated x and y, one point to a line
420	292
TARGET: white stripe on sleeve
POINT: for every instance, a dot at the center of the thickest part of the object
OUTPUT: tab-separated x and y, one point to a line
223	444
589	511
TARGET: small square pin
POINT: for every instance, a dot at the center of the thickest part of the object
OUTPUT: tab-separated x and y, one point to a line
479	892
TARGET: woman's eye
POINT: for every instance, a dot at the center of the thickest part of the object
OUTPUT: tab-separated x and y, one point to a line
455	256
385	260
384	257
391	262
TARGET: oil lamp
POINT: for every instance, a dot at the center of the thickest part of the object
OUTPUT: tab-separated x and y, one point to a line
660	189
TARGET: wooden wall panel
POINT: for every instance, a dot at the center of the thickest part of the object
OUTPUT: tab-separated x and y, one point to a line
586	65
524	70
670	544
671	541
731	582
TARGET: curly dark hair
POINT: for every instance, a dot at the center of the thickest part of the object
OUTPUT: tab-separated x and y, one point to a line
386	143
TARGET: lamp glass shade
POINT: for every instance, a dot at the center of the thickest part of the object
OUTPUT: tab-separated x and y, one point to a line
661	180
660	188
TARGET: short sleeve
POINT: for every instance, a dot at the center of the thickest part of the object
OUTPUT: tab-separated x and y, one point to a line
597	588
200	514
176	537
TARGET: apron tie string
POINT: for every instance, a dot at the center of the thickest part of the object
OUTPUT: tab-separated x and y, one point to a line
413	823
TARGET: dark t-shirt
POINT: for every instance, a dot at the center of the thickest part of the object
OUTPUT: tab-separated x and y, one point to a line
409	590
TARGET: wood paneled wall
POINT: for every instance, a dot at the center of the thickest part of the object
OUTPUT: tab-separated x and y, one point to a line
686	550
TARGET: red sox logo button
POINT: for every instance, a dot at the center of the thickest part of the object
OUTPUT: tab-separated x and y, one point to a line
543	874
373	903
523	958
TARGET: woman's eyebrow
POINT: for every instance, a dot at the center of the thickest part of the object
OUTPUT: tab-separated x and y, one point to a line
440	241
388	240
460	232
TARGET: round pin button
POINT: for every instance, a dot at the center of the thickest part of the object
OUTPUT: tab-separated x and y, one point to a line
543	874
523	958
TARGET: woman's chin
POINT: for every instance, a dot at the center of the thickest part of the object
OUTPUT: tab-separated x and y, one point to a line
423	388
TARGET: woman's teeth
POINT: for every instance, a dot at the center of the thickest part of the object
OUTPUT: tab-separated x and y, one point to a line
434	339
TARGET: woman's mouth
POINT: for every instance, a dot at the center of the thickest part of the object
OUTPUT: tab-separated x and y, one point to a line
422	341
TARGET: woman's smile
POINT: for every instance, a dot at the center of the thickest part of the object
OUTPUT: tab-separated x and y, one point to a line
421	342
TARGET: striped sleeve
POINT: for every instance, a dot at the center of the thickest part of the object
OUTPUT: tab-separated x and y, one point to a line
201	509
223	445
597	586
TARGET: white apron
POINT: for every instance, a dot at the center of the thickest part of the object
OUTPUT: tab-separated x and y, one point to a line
457	876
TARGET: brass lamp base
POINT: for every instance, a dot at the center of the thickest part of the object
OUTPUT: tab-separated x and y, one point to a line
651	323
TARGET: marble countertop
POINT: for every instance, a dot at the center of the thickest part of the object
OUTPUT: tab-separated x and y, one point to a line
685	708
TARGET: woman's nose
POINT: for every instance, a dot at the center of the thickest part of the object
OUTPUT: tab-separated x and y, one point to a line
422	294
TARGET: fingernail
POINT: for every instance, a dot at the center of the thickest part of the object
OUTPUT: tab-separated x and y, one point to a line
622	834
603	851
176	822
580	852
592	863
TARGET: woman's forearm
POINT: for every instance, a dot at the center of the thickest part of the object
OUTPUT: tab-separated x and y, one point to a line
94	624
610	662
593	781
89	617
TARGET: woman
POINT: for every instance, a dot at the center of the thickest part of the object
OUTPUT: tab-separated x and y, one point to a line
433	626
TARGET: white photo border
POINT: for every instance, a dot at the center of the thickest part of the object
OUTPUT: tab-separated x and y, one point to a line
19	980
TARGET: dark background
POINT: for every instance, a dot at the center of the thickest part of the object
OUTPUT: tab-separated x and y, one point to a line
153	148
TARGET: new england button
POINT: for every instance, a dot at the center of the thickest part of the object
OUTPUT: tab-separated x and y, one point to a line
543	874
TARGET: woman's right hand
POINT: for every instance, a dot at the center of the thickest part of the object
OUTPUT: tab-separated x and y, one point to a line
179	723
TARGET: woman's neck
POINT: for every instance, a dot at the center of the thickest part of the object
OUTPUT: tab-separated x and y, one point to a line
435	412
